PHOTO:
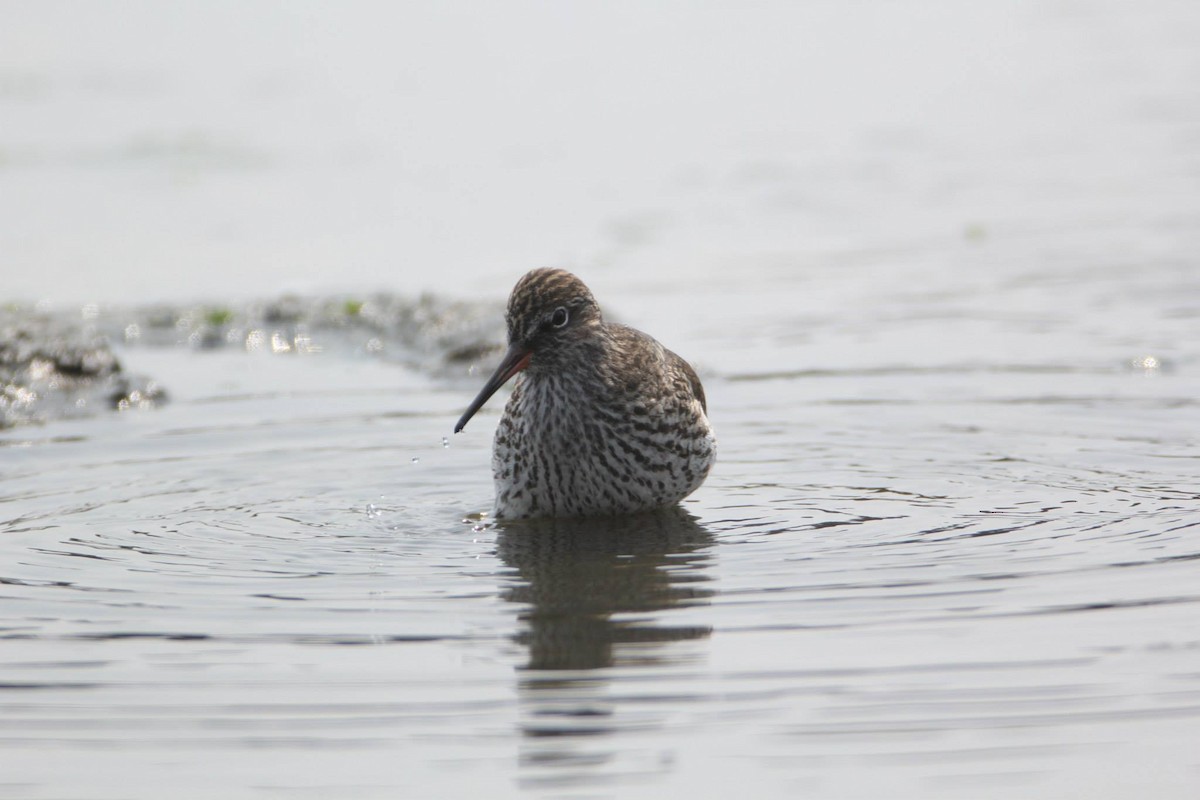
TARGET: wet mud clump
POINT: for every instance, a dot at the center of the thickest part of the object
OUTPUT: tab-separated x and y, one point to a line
59	364
51	369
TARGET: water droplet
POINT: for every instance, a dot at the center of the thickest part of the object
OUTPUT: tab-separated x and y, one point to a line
445	441
416	460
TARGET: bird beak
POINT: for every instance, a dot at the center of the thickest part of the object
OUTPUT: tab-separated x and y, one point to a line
515	360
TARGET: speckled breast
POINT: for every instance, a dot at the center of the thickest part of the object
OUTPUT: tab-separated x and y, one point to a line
567	449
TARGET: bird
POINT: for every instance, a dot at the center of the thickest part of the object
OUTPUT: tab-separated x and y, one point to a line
602	420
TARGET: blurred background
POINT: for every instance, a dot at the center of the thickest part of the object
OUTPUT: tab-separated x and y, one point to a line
216	150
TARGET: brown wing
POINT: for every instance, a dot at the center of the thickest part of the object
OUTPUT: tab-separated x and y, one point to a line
692	378
637	352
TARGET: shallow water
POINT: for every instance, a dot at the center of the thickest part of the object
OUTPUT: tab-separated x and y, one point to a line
923	581
950	546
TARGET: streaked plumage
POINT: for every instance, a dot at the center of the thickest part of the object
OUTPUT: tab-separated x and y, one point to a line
602	420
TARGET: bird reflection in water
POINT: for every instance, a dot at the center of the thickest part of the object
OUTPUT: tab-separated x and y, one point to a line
594	593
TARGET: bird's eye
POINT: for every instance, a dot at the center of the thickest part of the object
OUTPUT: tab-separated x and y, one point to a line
560	317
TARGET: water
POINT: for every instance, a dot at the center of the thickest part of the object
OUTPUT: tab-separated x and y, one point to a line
936	266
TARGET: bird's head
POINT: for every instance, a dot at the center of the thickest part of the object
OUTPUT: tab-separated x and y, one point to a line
551	314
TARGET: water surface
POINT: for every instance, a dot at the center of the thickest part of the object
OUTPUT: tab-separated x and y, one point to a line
938	273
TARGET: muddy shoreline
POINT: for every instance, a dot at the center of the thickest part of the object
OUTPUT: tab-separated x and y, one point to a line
75	363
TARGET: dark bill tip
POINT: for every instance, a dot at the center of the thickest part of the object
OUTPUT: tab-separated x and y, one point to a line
515	360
